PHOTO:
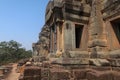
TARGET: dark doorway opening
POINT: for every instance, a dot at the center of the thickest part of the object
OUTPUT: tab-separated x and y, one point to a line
116	28
78	34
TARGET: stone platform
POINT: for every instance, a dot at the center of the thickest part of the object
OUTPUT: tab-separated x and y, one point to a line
50	71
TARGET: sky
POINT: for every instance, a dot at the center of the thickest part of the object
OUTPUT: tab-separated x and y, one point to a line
22	20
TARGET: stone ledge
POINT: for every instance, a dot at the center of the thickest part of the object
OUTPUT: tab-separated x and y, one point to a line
79	54
71	61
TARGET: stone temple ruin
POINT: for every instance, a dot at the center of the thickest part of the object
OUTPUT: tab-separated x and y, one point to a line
80	41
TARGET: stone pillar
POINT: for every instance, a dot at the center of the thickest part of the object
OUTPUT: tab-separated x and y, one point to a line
73	35
97	37
68	38
50	40
59	38
55	39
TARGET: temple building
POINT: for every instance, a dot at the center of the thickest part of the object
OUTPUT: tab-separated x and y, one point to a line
81	33
89	28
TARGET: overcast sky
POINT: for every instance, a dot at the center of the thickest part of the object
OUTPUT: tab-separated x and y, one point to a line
21	20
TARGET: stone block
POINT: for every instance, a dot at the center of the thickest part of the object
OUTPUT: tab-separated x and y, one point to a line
102	54
92	75
73	61
98	75
101	68
59	74
79	54
105	76
115	62
81	79
115	54
116	69
45	72
99	62
32	78
46	64
31	71
79	74
116	76
21	77
87	9
45	78
97	42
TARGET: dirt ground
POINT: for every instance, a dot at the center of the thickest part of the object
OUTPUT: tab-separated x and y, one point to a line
13	75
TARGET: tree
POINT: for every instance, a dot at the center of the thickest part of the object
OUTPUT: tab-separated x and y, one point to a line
12	51
14	45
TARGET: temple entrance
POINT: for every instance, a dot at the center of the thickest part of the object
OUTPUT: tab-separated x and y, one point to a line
78	34
116	28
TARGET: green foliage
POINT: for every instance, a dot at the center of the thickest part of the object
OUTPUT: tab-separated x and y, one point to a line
12	51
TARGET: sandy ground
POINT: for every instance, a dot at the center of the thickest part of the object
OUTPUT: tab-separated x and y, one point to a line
13	75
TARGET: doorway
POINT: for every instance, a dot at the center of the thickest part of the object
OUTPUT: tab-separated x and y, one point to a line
78	34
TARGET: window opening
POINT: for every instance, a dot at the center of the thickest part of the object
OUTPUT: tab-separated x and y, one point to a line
116	28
